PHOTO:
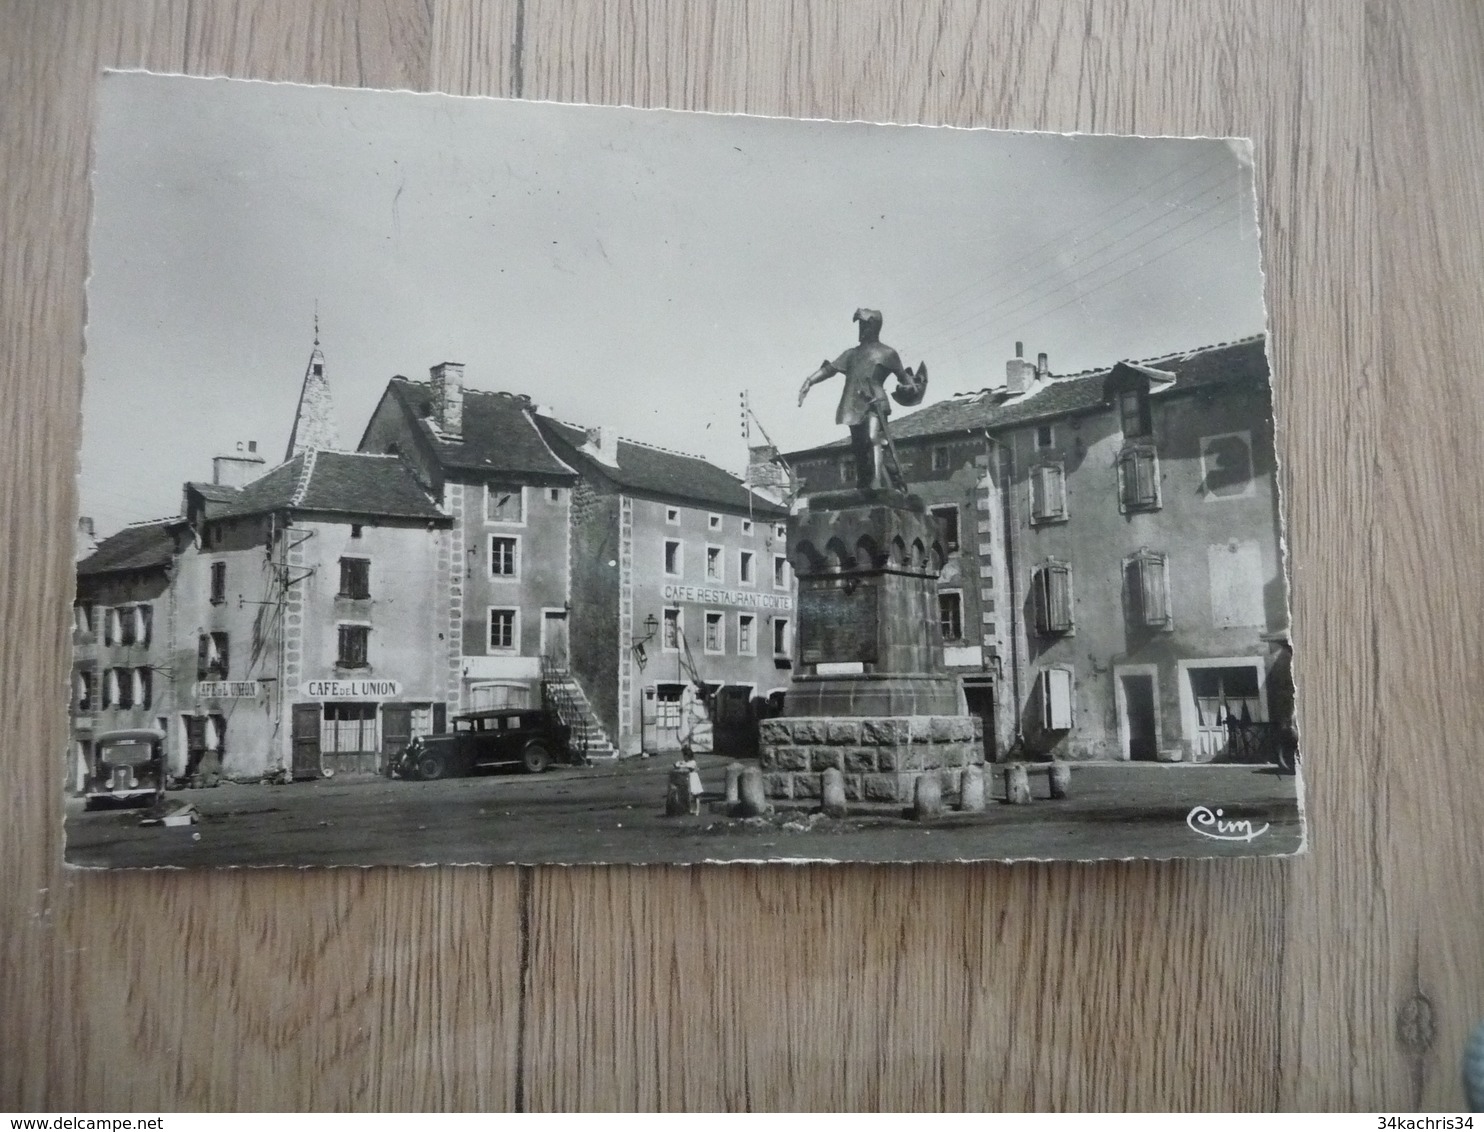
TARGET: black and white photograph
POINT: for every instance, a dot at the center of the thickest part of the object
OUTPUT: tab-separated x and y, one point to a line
477	481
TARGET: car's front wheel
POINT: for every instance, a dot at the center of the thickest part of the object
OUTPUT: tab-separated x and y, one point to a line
535	758
432	765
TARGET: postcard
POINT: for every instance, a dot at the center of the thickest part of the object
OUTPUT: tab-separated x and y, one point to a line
477	481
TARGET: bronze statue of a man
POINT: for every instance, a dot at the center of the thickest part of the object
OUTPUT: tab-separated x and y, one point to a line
863	403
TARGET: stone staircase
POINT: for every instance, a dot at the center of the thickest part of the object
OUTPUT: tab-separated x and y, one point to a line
563	695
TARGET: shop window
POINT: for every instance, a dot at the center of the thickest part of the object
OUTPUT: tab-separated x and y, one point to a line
355	578
1138	478
212	661
951	614
948	523
349	728
504	630
354	646
504	504
1133	413
1147	588
1048	494
218	583
1052	591
1056	698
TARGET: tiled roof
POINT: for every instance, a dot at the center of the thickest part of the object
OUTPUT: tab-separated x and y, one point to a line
654	471
352	483
143	546
499	436
1242	362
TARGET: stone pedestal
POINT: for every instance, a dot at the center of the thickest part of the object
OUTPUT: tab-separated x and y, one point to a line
870	697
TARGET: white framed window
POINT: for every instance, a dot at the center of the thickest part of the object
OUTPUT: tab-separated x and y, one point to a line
780	530
715	564
504	629
780	572
747	526
672	516
951	614
672	627
505	503
746	634
716	632
1048	494
674	558
1056	698
1226	466
948	523
1045	437
744	568
505	558
713	522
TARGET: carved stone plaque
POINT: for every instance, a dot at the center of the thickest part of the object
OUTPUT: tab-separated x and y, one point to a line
837	620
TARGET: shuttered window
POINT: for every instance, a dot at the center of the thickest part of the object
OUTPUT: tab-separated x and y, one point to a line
1052	590
1147	586
1048	493
1138	479
211	657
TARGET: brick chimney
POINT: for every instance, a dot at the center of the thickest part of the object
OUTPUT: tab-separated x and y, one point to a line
239	467
602	445
766	474
1018	372
448	398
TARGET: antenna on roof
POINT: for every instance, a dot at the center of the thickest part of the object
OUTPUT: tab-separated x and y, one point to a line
316	322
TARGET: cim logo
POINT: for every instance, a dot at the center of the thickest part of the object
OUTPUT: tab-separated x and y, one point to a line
351	689
1217	827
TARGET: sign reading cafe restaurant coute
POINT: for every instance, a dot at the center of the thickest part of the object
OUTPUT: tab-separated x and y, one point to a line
744	599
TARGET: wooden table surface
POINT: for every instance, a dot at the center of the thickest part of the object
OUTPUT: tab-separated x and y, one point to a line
1348	978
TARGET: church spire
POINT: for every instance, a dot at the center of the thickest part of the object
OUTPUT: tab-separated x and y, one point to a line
314	421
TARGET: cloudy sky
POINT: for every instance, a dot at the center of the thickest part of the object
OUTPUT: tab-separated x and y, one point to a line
634	268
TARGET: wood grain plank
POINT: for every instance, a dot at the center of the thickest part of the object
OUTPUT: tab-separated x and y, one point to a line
268	989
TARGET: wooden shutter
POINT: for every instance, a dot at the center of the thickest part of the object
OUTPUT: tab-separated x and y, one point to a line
1056	699
1048	493
203	655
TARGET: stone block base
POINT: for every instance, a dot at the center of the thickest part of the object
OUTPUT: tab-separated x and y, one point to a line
880	758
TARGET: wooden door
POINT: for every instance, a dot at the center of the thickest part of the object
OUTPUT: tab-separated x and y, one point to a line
554	637
396	732
306	740
1138	701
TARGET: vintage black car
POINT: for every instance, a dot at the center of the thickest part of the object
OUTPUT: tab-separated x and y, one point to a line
126	766
529	737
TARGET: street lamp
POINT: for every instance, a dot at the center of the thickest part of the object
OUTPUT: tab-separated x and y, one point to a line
651	626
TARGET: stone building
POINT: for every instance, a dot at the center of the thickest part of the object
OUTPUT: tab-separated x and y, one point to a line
568	596
122	636
1119	591
680	583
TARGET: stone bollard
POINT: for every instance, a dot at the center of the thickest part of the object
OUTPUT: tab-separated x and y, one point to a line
1017	785
677	793
832	792
971	789
927	798
734	778
1060	778
750	792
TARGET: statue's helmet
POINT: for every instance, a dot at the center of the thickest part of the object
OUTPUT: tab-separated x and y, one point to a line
867	317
